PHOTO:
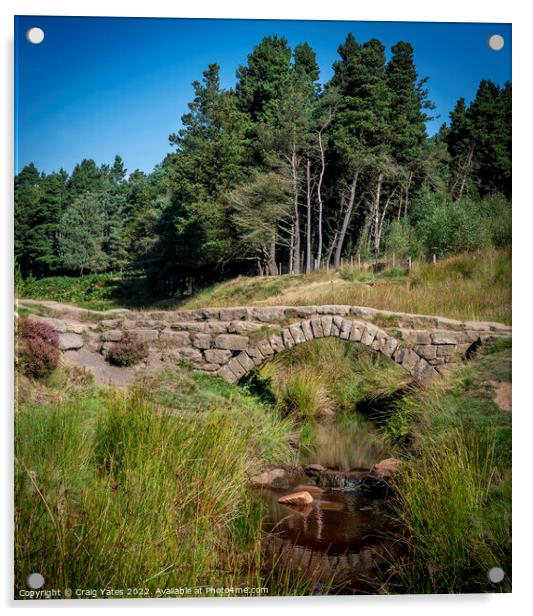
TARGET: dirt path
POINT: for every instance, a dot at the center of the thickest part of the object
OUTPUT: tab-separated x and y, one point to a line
103	372
503	395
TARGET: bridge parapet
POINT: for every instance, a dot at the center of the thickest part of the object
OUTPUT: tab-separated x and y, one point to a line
232	341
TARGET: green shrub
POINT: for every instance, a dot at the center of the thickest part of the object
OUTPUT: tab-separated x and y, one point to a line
445	226
399	239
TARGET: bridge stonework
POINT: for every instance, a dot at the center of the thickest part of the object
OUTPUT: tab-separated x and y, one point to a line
230	342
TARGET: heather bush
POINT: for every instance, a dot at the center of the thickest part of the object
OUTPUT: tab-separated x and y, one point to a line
129	351
39	350
40	330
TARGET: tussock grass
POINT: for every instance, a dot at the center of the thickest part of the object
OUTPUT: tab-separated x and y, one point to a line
113	490
453	500
301	393
451	537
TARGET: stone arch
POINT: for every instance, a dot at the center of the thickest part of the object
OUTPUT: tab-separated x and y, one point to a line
327	326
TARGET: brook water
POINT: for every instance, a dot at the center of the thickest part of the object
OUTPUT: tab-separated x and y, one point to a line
339	540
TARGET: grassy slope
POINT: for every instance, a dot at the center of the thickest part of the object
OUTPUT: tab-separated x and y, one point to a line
472	286
454	498
469	287
113	490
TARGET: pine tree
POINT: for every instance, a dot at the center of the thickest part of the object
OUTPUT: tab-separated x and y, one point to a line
85	177
361	131
82	235
407	120
43	237
262	81
118	171
211	157
27	198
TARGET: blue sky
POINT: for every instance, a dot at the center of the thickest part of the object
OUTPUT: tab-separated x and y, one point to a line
97	87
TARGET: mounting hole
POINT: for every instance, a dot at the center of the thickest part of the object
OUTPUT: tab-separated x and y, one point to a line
35	581
35	35
495	575
496	42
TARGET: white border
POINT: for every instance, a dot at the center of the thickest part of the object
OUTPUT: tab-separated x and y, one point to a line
386	10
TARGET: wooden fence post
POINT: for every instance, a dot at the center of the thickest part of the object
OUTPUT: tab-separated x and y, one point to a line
410	264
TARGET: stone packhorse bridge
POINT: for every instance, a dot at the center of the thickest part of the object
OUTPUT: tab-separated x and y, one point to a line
230	342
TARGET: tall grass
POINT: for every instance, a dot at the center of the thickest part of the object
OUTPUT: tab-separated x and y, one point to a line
455	287
303	395
453	499
113	490
449	541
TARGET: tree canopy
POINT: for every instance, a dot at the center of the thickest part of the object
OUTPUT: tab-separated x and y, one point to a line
282	168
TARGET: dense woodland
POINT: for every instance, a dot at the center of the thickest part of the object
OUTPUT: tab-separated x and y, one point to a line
283	169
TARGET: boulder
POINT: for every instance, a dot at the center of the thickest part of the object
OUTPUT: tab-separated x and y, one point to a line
267	478
386	468
374	486
297	499
70	341
313	470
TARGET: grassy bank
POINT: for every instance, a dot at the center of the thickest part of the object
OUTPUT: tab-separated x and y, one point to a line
455	287
453	499
112	489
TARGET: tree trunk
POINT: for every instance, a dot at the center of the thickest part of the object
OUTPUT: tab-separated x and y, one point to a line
291	251
319	197
407	188
332	247
346	221
272	265
296	259
376	214
382	217
309	254
466	172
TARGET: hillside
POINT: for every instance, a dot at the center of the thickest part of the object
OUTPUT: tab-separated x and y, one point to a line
474	286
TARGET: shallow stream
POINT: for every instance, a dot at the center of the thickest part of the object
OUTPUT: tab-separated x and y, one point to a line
339	539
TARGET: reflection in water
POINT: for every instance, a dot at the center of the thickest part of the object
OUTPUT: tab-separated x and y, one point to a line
337	521
339	536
